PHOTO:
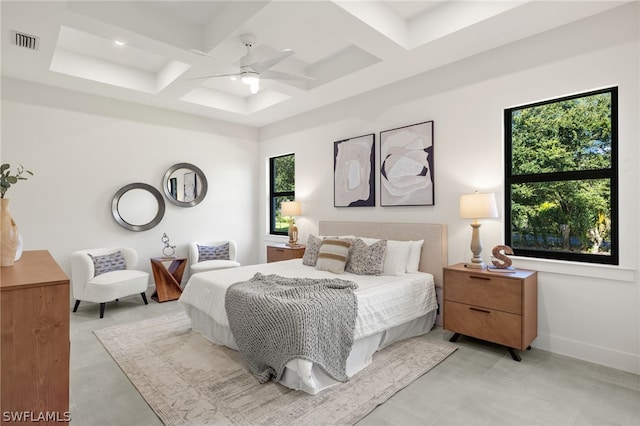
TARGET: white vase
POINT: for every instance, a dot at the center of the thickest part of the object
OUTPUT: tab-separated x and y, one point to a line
9	238
19	248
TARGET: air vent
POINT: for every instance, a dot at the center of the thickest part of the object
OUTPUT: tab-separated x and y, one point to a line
25	40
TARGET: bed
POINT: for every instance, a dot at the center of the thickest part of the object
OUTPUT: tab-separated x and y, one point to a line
390	307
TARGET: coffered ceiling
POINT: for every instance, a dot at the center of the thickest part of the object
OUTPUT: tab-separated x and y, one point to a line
156	52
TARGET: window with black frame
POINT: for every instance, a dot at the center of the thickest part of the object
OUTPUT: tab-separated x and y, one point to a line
561	178
282	184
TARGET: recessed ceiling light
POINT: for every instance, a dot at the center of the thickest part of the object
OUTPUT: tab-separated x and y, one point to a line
119	42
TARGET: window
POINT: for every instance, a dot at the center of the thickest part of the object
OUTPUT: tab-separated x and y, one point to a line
561	171
282	183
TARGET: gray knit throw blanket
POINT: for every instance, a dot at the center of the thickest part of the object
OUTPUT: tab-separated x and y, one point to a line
276	319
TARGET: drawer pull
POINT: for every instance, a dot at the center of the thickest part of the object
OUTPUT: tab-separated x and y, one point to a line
280	250
480	278
479	310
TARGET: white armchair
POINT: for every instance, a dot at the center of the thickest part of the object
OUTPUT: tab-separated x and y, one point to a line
200	253
109	277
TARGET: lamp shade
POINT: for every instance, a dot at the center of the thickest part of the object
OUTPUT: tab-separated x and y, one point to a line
477	206
290	208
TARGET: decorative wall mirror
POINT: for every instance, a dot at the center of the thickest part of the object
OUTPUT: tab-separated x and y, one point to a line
185	185
138	207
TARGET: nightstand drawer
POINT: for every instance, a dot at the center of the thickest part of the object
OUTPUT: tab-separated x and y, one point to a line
284	252
482	289
486	324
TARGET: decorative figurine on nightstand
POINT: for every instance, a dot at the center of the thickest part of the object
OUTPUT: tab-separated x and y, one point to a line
501	263
168	250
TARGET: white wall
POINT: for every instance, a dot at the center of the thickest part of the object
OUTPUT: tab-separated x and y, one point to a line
584	311
83	148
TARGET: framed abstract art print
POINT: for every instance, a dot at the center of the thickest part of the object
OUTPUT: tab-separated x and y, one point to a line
353	172
406	166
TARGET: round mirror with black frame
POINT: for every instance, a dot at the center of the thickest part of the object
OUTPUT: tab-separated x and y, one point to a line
138	206
185	185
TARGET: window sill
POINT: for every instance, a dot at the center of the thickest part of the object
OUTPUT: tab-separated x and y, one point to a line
273	238
591	270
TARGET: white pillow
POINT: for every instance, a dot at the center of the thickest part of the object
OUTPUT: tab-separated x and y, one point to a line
396	257
369	241
414	256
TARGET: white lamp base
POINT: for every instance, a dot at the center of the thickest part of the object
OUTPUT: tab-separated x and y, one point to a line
293	234
473	265
476	248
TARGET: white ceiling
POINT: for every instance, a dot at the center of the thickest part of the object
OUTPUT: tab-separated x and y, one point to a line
347	47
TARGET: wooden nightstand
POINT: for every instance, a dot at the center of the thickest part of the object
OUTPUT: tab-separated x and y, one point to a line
278	252
498	307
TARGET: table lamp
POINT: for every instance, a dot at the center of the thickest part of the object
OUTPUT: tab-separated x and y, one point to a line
477	206
291	209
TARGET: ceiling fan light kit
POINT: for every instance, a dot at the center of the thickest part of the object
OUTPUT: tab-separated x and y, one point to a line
251	70
251	79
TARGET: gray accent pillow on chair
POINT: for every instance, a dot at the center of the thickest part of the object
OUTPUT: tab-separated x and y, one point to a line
213	252
108	262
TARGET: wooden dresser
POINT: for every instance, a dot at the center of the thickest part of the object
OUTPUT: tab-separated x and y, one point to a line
498	307
35	340
276	253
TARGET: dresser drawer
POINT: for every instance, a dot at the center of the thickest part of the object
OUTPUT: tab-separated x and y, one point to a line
482	289
483	323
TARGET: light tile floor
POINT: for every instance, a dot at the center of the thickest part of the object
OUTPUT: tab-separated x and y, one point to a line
478	385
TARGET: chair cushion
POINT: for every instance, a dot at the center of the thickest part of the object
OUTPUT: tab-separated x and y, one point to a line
115	284
114	277
210	265
220	252
108	262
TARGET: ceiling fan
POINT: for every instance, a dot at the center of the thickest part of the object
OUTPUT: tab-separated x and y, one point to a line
251	70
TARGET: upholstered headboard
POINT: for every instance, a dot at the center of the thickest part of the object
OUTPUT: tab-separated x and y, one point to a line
434	251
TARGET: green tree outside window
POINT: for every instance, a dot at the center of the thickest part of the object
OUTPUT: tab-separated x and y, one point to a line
561	178
282	188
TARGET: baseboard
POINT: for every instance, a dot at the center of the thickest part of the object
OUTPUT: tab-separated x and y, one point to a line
597	354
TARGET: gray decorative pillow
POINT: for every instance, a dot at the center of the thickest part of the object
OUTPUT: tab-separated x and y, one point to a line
365	259
310	257
213	252
108	263
333	255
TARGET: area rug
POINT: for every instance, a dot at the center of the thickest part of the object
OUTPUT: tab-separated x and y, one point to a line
188	380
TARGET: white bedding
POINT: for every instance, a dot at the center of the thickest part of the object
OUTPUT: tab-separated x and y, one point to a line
404	303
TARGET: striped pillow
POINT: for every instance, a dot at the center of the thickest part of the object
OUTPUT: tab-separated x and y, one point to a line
332	255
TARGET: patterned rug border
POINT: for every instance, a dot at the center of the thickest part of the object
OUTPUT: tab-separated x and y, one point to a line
126	344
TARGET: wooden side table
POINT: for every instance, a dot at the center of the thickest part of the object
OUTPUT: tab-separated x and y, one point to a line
278	252
499	307
167	278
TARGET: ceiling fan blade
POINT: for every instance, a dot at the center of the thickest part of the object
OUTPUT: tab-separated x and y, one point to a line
213	76
261	66
279	75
